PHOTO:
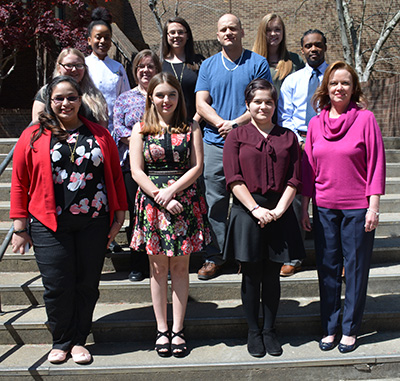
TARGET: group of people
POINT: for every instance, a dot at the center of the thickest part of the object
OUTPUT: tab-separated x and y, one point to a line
260	126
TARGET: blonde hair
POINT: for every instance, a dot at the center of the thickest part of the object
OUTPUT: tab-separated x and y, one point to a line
92	96
285	65
151	119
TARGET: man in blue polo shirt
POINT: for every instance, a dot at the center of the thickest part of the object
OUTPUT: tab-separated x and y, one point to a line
220	102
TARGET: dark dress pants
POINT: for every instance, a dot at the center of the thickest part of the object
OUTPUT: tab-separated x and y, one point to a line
70	261
340	239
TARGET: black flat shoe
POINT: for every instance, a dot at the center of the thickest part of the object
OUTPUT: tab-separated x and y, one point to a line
271	343
163	350
136	276
343	348
327	346
255	345
178	350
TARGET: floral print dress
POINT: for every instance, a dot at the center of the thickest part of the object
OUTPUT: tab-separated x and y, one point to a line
156	230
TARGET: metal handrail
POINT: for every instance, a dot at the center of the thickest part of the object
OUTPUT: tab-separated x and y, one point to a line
7	239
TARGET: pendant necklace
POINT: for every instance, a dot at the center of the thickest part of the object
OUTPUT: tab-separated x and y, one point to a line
176	75
237	65
72	157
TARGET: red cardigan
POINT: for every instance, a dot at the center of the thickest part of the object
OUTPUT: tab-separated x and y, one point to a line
32	187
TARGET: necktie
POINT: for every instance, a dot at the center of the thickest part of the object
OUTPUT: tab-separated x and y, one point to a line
312	86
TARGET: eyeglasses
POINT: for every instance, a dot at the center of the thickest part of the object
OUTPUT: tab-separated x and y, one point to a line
71	66
179	33
59	100
149	67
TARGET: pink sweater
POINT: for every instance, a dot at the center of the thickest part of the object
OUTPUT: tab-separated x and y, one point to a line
344	159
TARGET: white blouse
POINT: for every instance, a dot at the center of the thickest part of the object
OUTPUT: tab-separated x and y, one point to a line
110	78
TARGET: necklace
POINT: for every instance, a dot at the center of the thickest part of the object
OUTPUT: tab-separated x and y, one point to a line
72	157
237	65
176	75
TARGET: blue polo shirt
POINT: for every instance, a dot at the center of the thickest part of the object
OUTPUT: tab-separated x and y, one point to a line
226	87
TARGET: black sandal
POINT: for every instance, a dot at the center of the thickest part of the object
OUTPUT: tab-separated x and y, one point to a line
178	350
163	350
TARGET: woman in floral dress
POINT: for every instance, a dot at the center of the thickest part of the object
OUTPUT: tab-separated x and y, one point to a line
166	157
67	199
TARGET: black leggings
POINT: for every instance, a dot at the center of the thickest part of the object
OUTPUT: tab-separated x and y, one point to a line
261	279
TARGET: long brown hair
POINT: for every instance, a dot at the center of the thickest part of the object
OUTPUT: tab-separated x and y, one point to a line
285	65
151	119
321	98
191	59
48	120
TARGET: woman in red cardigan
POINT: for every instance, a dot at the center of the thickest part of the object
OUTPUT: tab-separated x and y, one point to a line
68	200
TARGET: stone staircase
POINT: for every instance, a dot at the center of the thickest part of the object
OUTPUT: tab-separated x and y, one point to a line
122	337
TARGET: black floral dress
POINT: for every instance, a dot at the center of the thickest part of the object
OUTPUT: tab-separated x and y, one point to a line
167	157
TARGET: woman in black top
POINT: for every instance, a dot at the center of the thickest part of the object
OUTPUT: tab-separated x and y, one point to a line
179	59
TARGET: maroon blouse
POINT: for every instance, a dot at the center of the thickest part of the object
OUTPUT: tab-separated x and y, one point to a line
263	164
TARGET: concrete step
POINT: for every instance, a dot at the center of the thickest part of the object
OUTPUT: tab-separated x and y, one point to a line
27	289
6	144
5	189
393	169
390	203
392	155
222	319
386	250
391	142
392	185
6	176
376	358
389	225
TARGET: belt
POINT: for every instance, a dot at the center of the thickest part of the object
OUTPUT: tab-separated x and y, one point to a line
167	172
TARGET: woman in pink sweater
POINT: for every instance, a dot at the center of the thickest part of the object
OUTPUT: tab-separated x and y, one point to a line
344	173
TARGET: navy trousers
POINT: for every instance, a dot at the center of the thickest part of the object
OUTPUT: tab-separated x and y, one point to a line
70	261
340	239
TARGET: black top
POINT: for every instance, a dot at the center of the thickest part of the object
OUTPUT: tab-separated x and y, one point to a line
78	174
188	81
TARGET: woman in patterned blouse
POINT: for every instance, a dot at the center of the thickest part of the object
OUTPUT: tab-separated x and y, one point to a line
68	201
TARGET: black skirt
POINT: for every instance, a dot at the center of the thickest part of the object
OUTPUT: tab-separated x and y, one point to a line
279	240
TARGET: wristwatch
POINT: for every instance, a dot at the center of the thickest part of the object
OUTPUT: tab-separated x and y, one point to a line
234	125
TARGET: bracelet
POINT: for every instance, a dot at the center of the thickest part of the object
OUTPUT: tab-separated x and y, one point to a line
256	207
20	231
373	211
119	223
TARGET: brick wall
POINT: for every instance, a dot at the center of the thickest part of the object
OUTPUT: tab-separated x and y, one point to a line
13	122
321	14
384	101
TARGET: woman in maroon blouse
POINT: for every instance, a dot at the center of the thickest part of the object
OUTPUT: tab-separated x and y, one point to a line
262	170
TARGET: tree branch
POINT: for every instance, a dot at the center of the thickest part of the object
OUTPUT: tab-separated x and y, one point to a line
385	33
157	17
343	33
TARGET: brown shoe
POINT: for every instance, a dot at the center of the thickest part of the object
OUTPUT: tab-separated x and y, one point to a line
208	271
289	270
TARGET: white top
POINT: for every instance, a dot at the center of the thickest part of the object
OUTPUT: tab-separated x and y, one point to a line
292	104
110	78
